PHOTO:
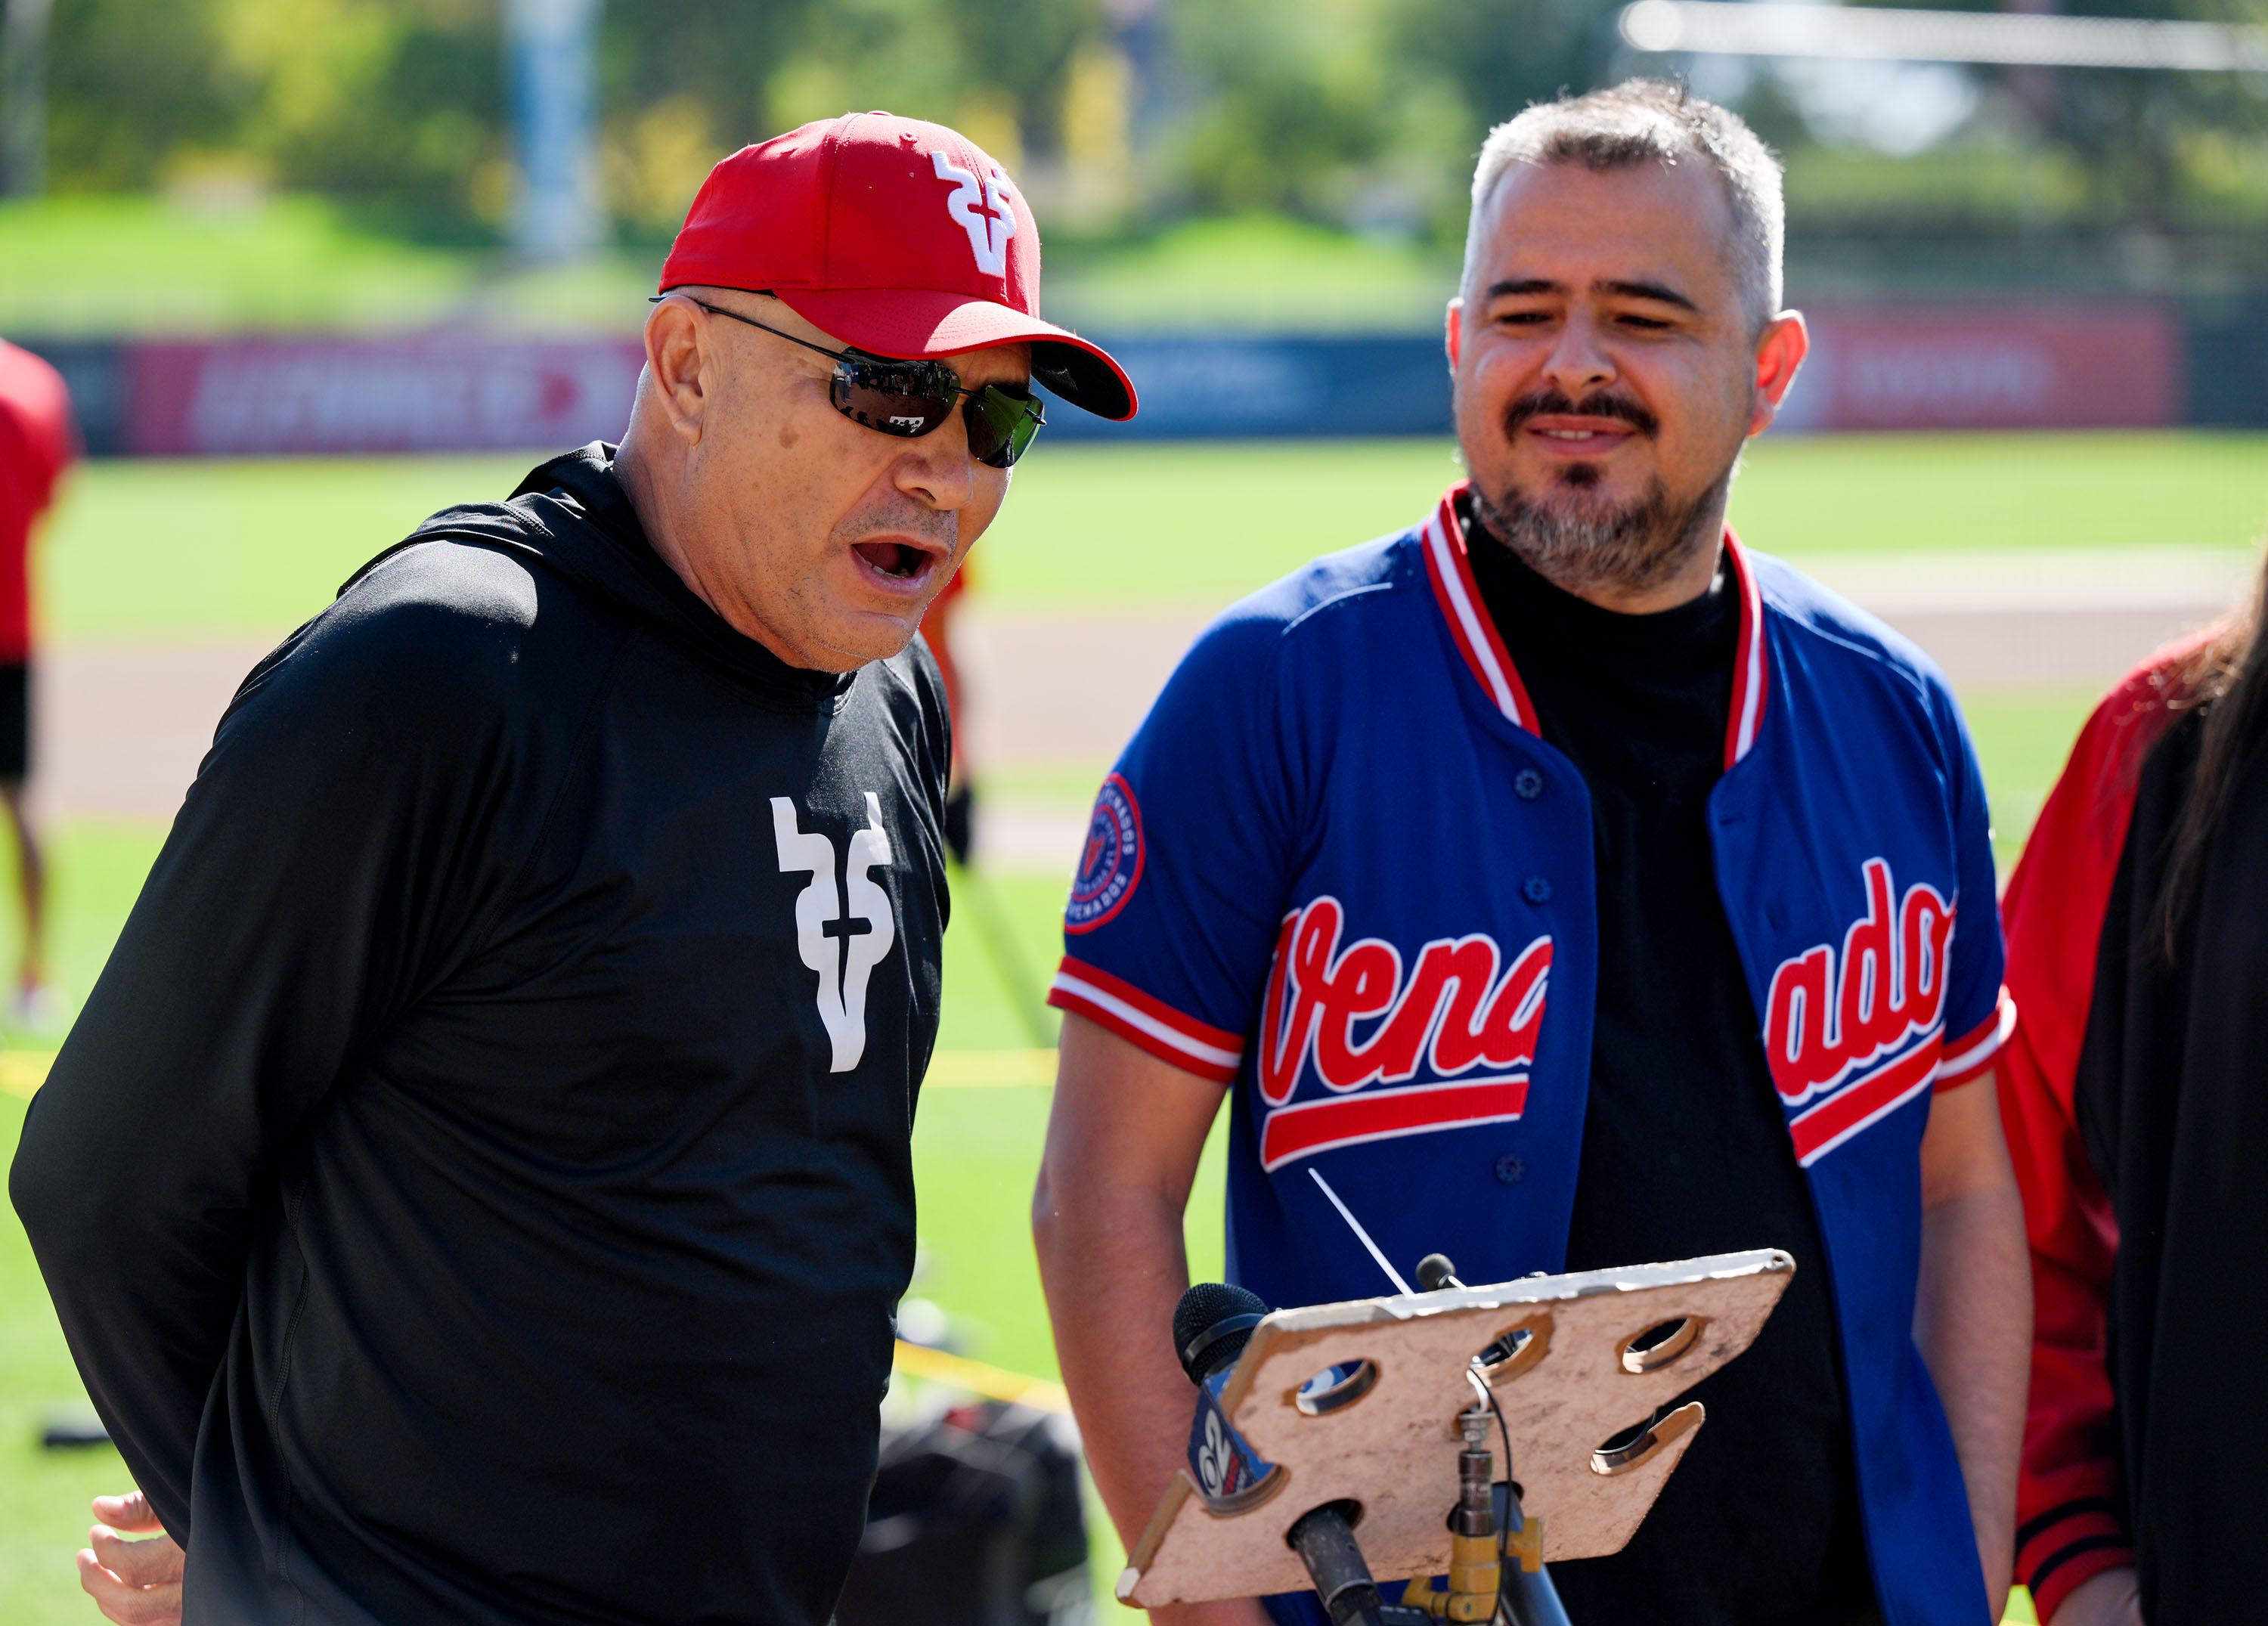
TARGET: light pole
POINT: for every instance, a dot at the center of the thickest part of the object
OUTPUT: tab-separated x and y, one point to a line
24	63
551	55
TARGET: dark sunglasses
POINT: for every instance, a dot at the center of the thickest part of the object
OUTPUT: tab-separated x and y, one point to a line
911	398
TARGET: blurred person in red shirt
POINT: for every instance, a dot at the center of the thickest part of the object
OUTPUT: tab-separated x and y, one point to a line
38	441
2136	1120
960	802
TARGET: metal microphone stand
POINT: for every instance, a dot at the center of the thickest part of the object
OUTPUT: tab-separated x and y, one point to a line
1333	1445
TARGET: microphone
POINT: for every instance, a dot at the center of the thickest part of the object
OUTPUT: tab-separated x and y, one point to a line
1324	1540
1435	1272
1212	1325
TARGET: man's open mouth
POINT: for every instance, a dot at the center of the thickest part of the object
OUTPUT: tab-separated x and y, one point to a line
899	559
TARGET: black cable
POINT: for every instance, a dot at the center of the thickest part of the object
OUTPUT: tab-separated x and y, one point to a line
1505	1430
1504	1525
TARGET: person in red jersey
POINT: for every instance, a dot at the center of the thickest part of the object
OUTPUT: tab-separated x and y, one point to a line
2132	1094
38	441
960	795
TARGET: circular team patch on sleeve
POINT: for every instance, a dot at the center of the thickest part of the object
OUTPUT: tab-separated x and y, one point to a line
1111	863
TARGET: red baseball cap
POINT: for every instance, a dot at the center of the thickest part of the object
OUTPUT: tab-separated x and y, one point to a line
899	236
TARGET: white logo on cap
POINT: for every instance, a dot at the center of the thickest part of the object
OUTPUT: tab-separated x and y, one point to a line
981	210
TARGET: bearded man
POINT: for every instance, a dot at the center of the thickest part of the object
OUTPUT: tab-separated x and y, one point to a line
1572	888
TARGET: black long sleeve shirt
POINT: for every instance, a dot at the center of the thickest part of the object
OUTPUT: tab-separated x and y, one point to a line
478	1185
2170	1106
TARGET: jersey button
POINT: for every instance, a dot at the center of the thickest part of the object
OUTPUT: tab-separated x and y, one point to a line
1527	784
1510	1168
1535	889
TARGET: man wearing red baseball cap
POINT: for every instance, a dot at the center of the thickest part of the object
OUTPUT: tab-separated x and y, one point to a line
479	1186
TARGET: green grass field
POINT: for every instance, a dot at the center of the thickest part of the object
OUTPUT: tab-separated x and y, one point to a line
180	553
184	551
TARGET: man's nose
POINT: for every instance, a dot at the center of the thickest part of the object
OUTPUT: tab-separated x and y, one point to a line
1579	361
935	469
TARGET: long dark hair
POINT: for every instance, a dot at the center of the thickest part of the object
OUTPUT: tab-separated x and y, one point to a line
2228	678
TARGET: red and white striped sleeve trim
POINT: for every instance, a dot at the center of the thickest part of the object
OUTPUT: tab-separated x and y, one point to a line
1969	1057
1150	1022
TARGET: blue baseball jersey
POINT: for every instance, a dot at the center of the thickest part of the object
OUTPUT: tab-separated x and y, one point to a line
1340	870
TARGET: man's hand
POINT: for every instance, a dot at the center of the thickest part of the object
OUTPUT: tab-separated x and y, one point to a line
133	1582
2113	1598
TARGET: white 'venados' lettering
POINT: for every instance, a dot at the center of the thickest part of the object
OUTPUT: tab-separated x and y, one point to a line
1829	1017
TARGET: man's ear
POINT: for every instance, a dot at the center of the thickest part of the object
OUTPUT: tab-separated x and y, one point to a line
1779	353
1456	322
676	359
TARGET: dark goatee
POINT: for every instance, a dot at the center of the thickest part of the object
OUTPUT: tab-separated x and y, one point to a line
1576	542
1575	539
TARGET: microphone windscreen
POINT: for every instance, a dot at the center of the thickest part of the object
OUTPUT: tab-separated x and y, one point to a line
1203	1308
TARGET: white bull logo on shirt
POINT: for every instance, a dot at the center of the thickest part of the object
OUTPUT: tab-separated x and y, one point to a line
842	946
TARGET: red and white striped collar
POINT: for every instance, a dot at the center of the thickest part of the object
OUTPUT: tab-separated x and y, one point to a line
1473	630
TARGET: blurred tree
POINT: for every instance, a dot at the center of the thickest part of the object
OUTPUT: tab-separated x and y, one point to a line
1505	54
1320	110
1101	94
1116	114
128	83
393	104
687	81
1289	97
1024	49
905	55
2157	146
23	97
684	81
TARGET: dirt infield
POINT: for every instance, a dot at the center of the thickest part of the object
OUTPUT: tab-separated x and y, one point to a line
1056	689
121	732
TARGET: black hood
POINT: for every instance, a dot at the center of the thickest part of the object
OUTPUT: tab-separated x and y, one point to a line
573	514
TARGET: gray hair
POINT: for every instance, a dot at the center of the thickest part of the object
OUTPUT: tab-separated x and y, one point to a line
1642	122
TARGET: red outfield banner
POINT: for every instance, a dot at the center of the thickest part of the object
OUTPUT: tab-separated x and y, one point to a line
2080	364
2015	367
430	392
